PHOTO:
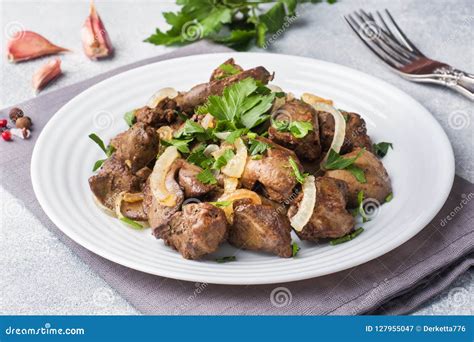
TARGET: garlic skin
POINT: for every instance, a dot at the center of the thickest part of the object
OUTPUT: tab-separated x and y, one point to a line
46	74
95	39
26	45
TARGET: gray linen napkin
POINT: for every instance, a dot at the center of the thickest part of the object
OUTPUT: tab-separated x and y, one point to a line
395	283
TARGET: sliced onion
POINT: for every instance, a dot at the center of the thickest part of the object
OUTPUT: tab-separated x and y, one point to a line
165	133
103	207
118	205
230	184
158	177
312	99
279	101
210	149
208	121
236	195
222	135
339	127
306	207
235	167
161	95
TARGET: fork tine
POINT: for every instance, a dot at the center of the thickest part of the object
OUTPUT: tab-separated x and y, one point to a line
389	39
356	28
402	36
379	40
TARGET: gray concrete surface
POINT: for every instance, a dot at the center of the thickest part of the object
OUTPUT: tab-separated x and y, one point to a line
39	275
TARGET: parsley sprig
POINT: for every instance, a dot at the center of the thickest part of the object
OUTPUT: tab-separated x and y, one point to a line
235	23
335	161
299	129
107	150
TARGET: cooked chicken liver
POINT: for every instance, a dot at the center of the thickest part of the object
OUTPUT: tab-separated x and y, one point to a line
260	227
219	74
195	231
308	147
330	218
378	184
273	172
198	94
356	132
159	214
192	186
114	177
137	146
163	114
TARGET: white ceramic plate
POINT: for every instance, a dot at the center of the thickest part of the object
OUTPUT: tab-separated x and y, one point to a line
421	167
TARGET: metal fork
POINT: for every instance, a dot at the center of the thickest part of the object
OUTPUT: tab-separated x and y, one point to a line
393	47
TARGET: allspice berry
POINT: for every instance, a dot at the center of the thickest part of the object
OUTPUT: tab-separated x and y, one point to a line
15	113
23	122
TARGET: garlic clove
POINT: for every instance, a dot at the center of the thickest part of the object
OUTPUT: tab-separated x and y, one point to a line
46	74
25	45
95	39
22	133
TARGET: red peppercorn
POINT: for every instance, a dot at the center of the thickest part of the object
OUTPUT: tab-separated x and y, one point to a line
3	123
7	135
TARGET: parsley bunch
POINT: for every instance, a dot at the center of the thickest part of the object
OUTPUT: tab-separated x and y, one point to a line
234	23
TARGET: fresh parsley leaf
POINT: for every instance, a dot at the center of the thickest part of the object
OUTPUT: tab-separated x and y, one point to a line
295	249
98	164
337	162
223	159
129	118
221	204
256	115
236	134
206	177
300	177
360	208
258	147
226	259
300	129
197	157
131	223
229	70
274	18
347	237
381	148
280	94
389	197
98	141
181	144
357	172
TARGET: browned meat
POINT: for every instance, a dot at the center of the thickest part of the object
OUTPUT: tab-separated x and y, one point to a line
308	147
198	94
113	178
219	74
378	184
187	179
137	146
195	231
273	172
356	132
330	218
261	228
159	214
163	114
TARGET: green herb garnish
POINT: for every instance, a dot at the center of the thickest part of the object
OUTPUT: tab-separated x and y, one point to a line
130	118
206	177
131	223
223	159
235	23
226	259
347	237
239	106
295	249
258	147
107	150
229	70
300	177
381	149
389	197
335	161
181	144
221	204
299	129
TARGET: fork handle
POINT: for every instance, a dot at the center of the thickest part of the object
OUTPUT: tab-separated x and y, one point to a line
458	80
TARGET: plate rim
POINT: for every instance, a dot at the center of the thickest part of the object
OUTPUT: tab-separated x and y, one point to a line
211	278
